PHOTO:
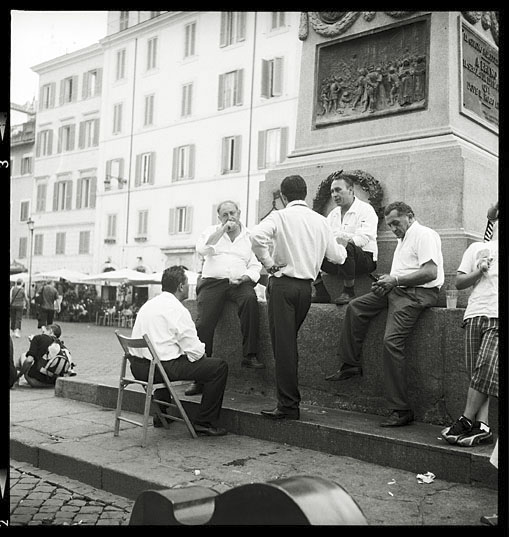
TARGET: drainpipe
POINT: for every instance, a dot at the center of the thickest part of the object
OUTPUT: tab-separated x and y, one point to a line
251	120
124	260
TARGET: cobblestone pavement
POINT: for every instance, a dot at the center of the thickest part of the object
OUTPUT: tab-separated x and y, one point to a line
38	497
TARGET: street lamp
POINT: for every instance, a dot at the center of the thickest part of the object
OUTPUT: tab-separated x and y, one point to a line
30	224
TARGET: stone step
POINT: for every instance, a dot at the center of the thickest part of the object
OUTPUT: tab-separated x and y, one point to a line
416	448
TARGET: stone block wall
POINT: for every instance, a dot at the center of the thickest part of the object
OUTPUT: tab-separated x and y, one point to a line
437	378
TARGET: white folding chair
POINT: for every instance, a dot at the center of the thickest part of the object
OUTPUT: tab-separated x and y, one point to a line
149	386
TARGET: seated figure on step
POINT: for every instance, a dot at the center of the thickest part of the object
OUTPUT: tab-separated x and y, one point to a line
354	222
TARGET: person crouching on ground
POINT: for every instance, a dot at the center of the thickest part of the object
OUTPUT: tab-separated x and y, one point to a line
171	329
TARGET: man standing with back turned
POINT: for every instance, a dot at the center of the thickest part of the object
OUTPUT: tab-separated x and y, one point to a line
413	284
301	238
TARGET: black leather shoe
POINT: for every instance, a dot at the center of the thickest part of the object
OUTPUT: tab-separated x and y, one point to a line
195	389
345	373
277	414
252	362
209	430
398	418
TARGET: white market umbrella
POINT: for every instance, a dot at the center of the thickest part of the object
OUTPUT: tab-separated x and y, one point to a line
66	274
124	275
156	278
20	276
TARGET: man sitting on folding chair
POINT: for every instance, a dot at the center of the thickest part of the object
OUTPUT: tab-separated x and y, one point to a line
171	329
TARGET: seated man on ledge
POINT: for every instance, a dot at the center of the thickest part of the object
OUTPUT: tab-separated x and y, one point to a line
355	222
416	276
170	327
230	272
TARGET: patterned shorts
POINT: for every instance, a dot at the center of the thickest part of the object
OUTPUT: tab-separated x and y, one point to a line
481	354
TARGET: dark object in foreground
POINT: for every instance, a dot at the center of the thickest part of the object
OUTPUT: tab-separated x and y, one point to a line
299	500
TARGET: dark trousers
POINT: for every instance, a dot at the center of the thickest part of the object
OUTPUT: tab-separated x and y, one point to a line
45	317
357	262
288	302
16	316
404	305
211	372
211	294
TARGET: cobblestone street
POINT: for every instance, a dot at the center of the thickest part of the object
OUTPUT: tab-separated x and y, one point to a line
38	497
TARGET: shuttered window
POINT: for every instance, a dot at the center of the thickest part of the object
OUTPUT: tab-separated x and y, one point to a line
88	134
272	147
145	165
44	143
111	229
142	223
41	198
272	78
86	193
92	81
120	66
66	138
114	173
24	211
124	20
151	53
69	90
181	220
189	39
62	195
22	250
187	100
277	20
84	242
183	163
117	118
233	27
149	110
231	151
38	244
60	243
230	91
47	96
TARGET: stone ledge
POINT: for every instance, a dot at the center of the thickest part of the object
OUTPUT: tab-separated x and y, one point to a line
437	378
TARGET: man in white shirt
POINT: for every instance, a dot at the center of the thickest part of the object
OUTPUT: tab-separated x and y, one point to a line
417	273
479	269
301	238
171	329
355	222
230	272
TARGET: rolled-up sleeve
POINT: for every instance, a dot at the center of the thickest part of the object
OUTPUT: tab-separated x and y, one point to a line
335	252
253	268
202	248
261	238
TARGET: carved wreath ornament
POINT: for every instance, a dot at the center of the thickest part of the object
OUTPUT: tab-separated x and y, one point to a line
361	178
334	23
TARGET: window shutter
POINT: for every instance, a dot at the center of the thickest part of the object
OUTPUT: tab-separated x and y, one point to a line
237	153
152	167
78	193
189	110
72	132
52	91
239	89
284	144
241	25
261	149
224	156
60	130
50	142
174	171
55	197
62	92
191	161
84	92
81	136
74	97
214	213
265	79
189	220
137	178
107	183
98	81
171	224
96	132
38	145
93	192
41	98
220	93
68	195
277	85
224	25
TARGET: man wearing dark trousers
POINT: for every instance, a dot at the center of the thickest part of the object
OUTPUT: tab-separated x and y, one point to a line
355	221
230	272
301	238
171	329
49	295
413	284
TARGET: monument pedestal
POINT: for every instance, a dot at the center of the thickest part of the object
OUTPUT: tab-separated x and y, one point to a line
434	147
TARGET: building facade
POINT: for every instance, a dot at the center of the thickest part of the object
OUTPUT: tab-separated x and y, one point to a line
141	135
